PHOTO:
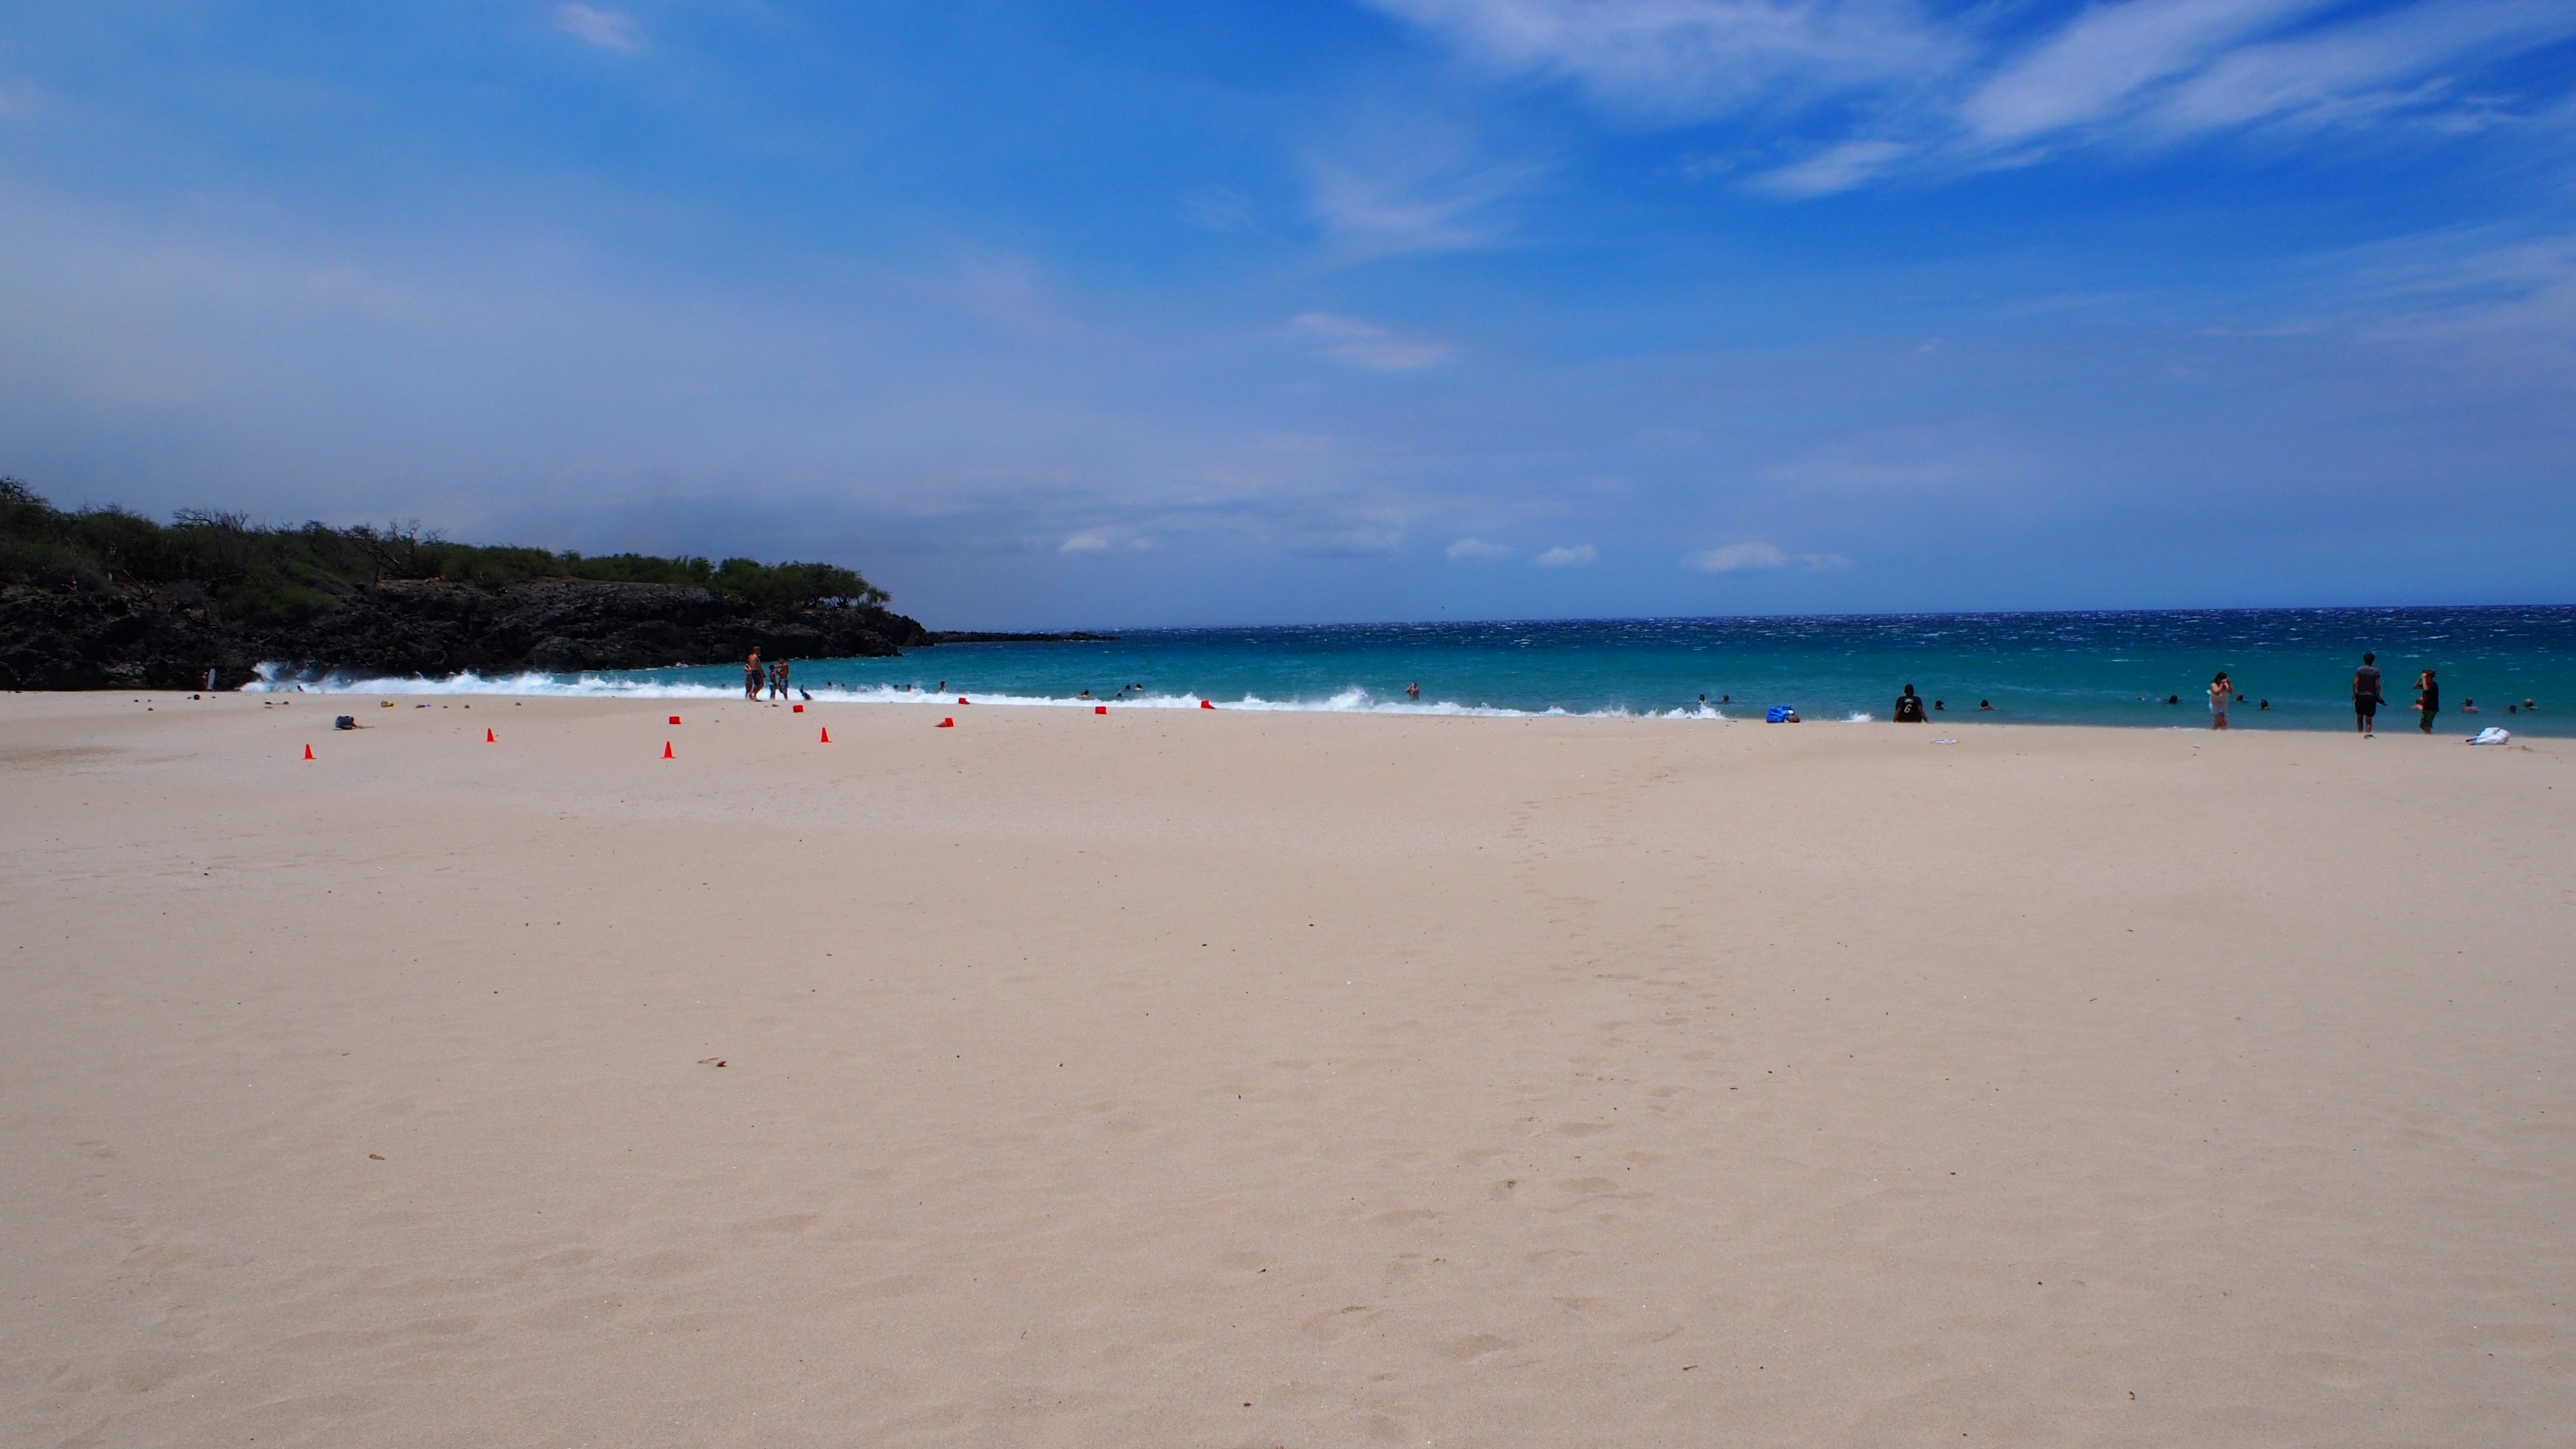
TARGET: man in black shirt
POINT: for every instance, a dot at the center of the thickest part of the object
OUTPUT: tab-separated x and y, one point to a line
2428	699
2365	693
1909	707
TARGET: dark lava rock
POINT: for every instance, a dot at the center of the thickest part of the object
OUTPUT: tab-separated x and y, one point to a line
92	639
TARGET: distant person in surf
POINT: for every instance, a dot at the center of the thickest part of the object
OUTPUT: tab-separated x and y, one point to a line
2366	695
2468	706
1413	690
751	674
2222	693
2428	699
1909	707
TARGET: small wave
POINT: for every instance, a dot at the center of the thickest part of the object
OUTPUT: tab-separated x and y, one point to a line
536	684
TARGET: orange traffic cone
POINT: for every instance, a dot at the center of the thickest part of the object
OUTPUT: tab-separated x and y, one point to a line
308	752
487	738
947	722
827	734
666	750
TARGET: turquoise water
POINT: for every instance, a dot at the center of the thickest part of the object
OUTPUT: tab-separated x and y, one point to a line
2073	668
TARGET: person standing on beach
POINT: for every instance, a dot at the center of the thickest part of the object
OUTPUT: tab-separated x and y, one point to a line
2365	694
751	674
2428	699
2222	693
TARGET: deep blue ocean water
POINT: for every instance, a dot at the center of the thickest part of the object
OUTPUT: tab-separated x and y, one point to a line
2059	668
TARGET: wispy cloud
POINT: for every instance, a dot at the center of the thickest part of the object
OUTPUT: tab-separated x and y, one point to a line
1476	550
1564	557
1403	179
1738	557
1693	59
1963	92
602	26
1836	168
1365	344
1083	543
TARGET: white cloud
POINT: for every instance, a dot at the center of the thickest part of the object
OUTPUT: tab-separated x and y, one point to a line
1692	59
1963	93
606	28
1476	550
1365	344
1398	181
1836	168
2108	54
1083	543
1737	557
1563	557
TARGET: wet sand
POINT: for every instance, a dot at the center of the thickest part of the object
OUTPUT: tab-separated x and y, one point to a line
1248	1080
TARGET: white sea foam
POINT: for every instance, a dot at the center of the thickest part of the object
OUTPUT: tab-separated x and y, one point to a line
278	679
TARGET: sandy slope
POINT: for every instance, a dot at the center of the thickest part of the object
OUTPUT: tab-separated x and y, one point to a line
1225	1079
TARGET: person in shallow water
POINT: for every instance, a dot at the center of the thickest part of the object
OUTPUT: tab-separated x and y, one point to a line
1413	690
1909	707
2222	693
1985	705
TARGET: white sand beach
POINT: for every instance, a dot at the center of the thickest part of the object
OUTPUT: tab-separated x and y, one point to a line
1231	1079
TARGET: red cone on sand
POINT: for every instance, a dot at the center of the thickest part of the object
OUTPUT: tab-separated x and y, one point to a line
487	738
946	722
666	750
1100	709
827	734
308	752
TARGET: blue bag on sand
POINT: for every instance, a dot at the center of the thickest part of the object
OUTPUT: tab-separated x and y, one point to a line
1779	714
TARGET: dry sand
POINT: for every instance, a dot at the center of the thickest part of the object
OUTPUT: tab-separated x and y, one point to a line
1245	1080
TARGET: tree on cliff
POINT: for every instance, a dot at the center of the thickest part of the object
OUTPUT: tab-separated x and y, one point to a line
242	569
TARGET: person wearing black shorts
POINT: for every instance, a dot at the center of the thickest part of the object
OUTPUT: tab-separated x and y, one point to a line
2428	699
2365	694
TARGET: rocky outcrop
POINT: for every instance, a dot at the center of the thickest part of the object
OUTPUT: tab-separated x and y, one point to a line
90	639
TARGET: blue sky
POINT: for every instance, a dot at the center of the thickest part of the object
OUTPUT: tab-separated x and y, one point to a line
1121	314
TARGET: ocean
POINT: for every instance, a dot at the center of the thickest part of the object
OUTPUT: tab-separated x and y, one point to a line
2143	669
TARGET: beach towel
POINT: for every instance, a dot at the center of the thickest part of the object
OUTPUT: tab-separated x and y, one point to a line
2491	735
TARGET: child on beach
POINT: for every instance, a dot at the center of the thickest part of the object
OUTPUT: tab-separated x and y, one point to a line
2222	693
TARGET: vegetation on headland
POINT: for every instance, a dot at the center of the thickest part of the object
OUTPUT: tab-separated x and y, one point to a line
251	571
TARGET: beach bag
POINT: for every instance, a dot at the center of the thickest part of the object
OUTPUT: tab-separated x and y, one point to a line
2491	735
345	722
1779	714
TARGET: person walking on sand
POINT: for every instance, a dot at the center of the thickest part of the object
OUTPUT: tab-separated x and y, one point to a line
2428	699
2366	695
2222	693
751	674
